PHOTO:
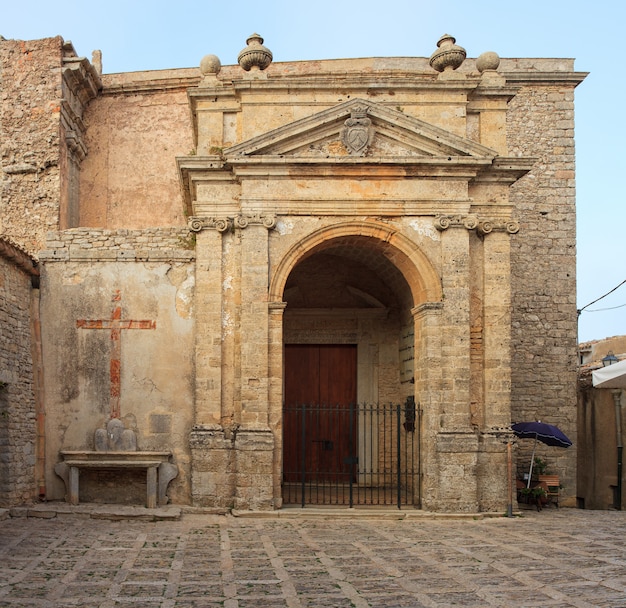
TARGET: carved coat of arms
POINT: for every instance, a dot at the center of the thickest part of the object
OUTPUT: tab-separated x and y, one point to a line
358	133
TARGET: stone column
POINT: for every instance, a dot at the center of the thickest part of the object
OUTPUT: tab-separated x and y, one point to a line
255	441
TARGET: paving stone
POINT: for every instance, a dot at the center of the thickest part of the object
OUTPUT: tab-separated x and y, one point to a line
553	558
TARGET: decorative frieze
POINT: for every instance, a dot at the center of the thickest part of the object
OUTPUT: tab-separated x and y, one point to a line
471	222
226	224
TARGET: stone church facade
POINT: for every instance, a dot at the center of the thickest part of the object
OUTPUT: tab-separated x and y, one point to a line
205	238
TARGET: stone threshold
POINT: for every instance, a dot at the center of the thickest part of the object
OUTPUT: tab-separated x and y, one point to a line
332	513
115	512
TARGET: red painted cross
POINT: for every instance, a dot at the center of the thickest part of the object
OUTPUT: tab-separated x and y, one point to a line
116	324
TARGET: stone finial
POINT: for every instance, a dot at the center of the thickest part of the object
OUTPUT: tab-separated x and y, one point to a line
210	65
449	55
488	61
255	56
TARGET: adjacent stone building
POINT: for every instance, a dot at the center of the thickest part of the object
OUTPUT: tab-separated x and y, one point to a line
220	245
20	375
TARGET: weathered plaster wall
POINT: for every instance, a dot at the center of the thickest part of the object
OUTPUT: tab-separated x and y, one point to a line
129	178
154	273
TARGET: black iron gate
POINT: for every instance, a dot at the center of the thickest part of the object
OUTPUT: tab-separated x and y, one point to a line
351	455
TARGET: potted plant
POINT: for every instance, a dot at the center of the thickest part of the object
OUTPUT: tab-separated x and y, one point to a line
533	496
540	467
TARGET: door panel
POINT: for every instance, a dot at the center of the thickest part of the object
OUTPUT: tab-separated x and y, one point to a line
320	436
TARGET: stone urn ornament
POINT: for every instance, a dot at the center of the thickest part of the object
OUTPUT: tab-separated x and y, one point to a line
255	56
448	56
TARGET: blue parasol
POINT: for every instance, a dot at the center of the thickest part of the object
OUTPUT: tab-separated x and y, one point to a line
546	433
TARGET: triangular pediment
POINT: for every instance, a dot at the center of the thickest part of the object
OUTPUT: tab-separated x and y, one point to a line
389	133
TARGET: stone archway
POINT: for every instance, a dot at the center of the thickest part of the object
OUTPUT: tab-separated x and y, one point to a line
357	284
398	249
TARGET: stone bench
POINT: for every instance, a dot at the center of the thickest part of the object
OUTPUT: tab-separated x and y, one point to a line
159	471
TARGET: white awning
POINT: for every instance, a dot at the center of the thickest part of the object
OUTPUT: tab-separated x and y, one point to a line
611	376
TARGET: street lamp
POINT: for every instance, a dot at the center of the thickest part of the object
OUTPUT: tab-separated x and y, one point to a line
609	359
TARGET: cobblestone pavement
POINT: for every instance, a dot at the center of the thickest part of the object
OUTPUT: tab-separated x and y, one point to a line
557	557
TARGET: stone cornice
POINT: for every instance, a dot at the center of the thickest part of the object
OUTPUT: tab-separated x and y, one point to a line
151	86
81	78
351	166
506	170
81	84
548	78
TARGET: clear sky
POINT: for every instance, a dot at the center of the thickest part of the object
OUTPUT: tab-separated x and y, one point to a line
136	35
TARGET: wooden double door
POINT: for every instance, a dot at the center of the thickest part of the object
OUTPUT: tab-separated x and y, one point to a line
319	419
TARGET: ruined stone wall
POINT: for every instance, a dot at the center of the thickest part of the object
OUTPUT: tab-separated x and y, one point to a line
17	397
544	323
30	74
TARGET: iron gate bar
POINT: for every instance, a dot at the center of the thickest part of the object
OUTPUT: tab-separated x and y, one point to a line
365	459
303	452
399	456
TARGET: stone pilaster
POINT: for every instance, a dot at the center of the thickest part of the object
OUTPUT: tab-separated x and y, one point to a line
496	357
212	449
208	306
255	440
455	328
456	441
496	329
254	324
275	392
428	376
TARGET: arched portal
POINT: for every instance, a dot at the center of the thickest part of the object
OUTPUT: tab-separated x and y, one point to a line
348	332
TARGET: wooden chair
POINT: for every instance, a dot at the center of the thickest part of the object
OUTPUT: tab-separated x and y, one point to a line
552	485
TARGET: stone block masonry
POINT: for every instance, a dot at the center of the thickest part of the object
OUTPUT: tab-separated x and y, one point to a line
29	131
543	283
17	375
95	244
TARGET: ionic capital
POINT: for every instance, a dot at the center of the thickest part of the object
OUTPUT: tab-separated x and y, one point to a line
227	224
443	222
482	226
